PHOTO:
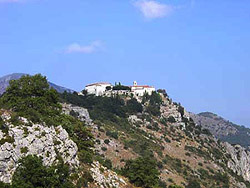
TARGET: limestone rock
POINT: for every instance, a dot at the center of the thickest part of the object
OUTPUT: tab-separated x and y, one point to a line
239	161
35	140
82	113
104	177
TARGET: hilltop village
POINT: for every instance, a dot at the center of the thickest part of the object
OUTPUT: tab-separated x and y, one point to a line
107	89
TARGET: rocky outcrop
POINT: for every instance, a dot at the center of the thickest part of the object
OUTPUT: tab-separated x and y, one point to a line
239	160
81	113
36	139
104	177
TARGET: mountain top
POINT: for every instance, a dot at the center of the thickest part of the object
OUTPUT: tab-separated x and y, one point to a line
4	83
222	128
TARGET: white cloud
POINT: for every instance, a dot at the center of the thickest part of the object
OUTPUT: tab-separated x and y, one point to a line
153	9
77	48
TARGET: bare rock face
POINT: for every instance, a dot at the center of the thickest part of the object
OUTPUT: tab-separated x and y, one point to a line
38	140
104	177
239	160
81	113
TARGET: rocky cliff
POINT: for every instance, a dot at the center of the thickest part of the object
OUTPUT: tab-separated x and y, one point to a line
239	160
33	139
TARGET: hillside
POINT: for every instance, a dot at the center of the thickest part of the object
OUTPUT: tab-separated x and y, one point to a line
70	140
223	129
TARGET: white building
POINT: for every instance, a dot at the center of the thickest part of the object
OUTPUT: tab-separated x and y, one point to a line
141	90
97	88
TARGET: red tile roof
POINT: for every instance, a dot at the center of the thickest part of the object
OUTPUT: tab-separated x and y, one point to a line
145	86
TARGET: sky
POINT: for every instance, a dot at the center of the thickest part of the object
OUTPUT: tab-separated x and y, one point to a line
198	50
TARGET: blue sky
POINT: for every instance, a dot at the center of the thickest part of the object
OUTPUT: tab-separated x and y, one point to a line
198	50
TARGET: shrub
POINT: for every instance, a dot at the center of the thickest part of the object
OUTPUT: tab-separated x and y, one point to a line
171	119
121	87
8	139
221	178
193	184
181	110
31	174
154	103
133	106
4	185
98	141
112	134
106	141
3	127
108	88
103	148
163	91
107	163
167	140
142	172
74	114
153	109
24	150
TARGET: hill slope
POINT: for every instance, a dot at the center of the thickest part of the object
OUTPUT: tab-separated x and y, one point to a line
118	141
223	129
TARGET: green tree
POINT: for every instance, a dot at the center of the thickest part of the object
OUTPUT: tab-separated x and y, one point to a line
31	173
142	172
31	97
154	103
4	185
134	106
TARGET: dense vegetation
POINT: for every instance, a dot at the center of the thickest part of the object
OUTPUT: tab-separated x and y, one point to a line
142	172
119	86
104	108
31	173
153	103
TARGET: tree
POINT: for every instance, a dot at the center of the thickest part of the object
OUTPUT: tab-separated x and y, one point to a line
31	173
31	97
154	103
134	106
108	88
142	172
84	92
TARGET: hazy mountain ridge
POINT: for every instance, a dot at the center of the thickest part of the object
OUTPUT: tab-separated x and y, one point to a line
4	83
223	129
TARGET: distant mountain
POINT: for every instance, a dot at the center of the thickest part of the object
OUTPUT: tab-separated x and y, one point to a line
4	83
223	129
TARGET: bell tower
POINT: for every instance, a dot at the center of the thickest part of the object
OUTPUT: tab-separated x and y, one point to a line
135	83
